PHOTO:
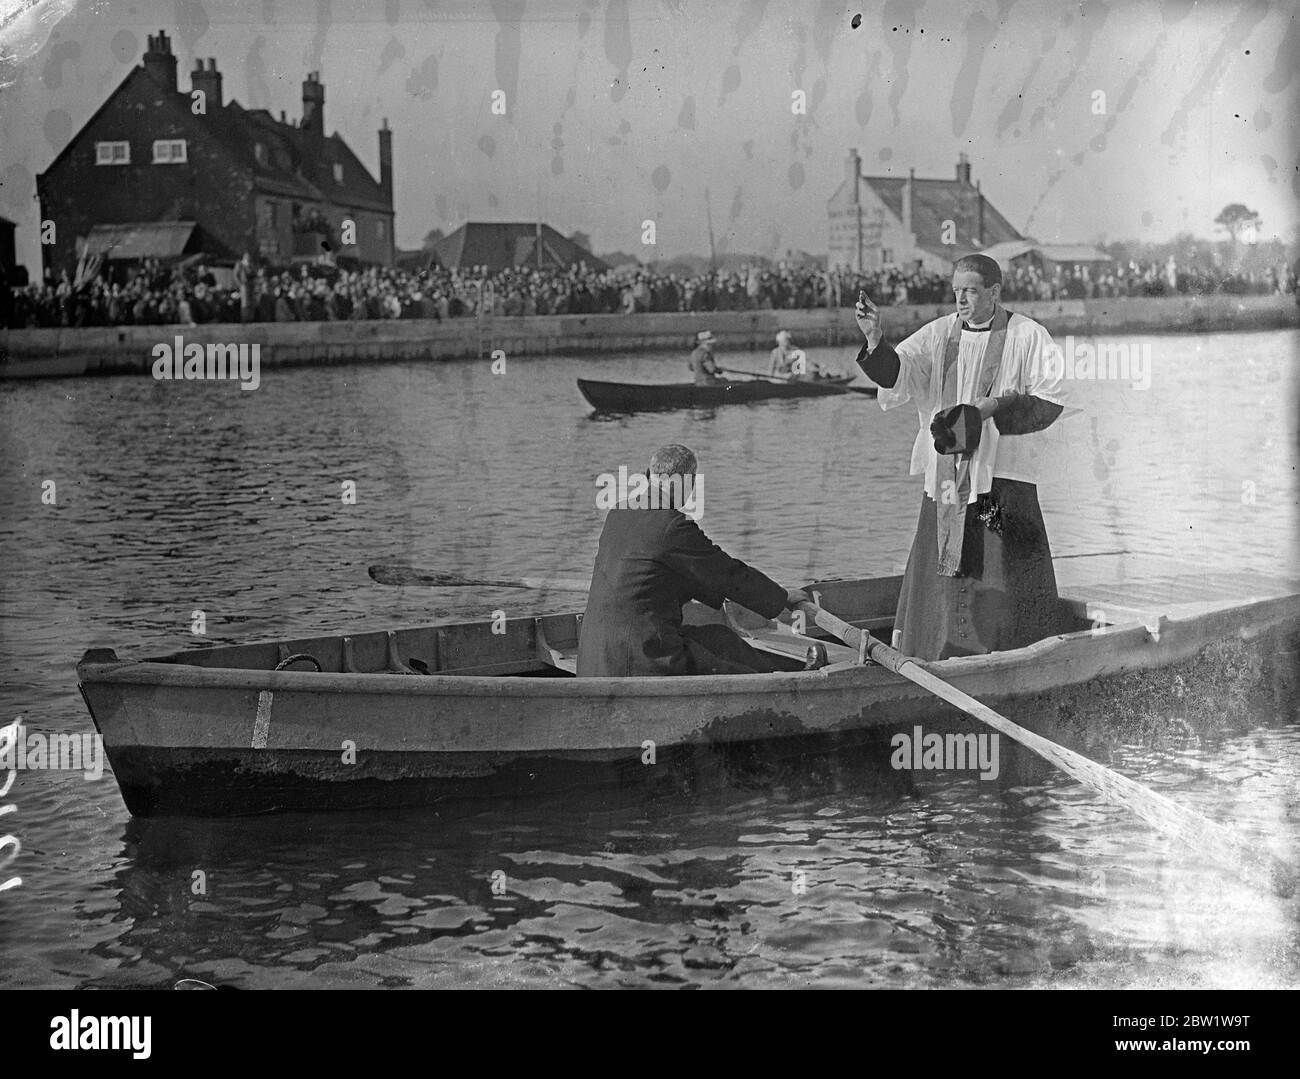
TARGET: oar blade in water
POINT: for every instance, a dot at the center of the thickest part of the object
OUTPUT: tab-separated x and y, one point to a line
1251	861
404	575
395	574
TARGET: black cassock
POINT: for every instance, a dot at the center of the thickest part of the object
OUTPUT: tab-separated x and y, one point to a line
1004	595
649	563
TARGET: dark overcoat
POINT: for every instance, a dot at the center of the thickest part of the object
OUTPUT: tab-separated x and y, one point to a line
649	563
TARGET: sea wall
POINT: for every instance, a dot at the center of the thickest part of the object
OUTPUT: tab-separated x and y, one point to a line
129	349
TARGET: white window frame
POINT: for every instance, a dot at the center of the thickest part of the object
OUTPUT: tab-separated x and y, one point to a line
113	153
165	152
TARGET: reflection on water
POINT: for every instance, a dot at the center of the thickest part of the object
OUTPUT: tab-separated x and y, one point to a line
833	870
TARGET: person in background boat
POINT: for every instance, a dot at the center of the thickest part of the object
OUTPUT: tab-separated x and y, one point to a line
783	356
792	363
702	362
652	561
985	384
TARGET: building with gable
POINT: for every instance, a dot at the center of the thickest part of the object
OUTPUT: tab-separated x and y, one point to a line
501	245
161	172
910	221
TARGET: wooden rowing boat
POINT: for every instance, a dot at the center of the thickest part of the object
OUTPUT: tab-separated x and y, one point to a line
221	730
633	397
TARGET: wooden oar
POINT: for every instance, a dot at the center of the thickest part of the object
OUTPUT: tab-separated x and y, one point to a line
388	573
1251	862
756	374
785	378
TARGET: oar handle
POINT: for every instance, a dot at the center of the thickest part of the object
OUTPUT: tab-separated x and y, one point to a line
878	650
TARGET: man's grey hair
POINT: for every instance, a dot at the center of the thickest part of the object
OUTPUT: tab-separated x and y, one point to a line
673	460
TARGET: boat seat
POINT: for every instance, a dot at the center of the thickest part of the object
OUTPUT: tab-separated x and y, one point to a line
793	646
1100	614
779	638
566	659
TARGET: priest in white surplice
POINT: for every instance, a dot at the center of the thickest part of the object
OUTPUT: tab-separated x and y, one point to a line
985	384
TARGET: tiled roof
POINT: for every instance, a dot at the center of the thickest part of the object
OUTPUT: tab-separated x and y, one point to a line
292	167
1006	252
1073	253
937	201
296	163
499	244
141	239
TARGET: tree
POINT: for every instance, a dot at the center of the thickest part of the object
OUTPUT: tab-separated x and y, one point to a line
1118	250
1242	225
1240	222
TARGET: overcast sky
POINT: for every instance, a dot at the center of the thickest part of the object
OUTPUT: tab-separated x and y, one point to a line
627	110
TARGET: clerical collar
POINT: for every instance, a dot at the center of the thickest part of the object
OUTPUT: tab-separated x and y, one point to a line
982	327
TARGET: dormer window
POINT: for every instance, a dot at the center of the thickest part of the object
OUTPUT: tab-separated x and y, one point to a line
259	152
169	152
338	172
112	153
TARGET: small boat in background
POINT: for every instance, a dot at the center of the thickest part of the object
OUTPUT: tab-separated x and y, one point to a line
635	397
411	716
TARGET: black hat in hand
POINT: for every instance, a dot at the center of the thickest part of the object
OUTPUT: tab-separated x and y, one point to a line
957	429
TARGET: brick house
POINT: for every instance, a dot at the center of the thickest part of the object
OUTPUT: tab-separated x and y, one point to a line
158	171
906	221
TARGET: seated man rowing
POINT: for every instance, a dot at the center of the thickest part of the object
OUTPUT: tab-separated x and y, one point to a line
792	363
702	362
652	561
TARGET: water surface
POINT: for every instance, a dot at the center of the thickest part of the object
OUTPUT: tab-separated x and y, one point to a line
174	498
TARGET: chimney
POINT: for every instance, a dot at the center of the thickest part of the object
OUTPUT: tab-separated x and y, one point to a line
313	105
207	79
963	169
907	201
386	161
979	199
159	61
854	176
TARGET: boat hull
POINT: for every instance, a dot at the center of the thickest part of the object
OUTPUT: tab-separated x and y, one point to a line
631	397
173	782
191	739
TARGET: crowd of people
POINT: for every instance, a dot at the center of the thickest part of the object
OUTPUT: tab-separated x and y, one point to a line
1027	281
154	293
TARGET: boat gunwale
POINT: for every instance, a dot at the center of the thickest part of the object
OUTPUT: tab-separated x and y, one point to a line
837	676
833	380
632	397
